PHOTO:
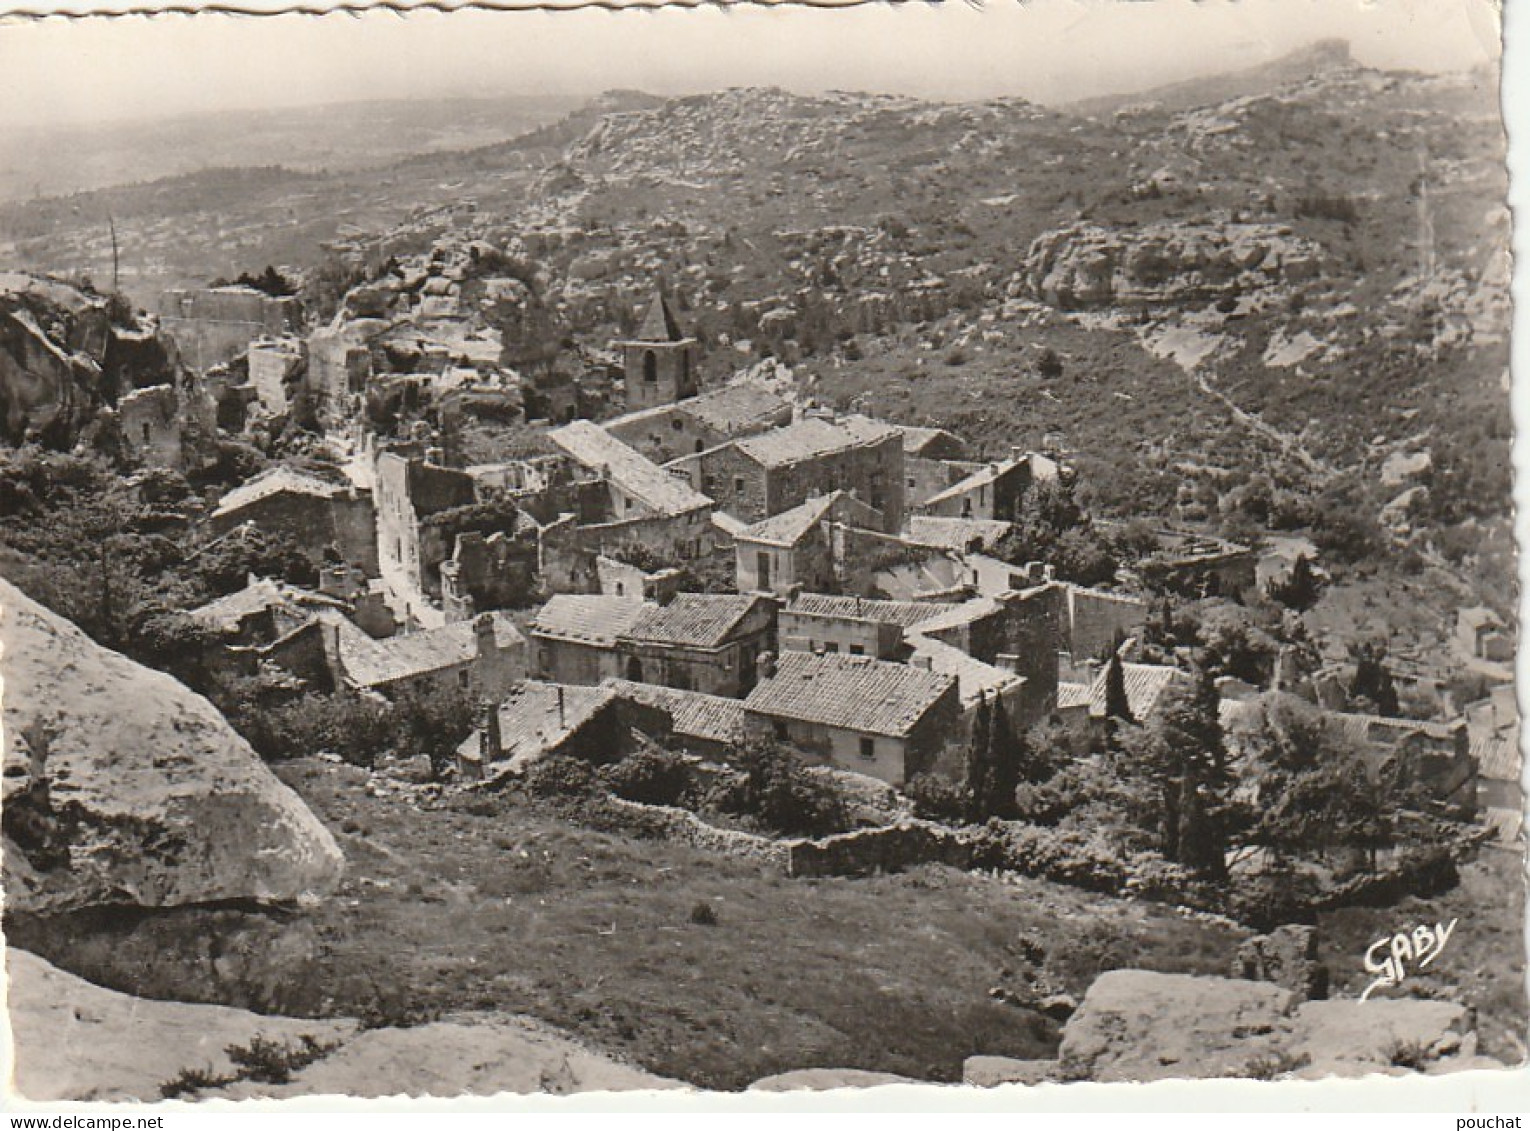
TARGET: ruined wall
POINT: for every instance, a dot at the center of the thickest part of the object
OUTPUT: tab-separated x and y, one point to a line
1097	620
216	325
151	425
273	368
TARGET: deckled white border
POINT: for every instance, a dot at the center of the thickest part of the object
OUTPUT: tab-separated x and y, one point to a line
1496	1091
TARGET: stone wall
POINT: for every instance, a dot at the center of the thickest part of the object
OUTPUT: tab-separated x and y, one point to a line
891	848
684	827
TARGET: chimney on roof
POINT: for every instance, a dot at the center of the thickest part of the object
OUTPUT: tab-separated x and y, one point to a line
921	661
491	746
1008	661
765	666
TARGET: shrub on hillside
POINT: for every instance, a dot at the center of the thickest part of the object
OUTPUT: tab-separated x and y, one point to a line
653	776
1065	856
562	776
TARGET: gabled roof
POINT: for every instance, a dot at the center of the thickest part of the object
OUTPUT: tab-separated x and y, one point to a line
849	692
813	438
587	618
904	614
226	613
1072	695
1145	685
713	718
276	481
377	663
694	620
974	678
596	449
956	533
1497	757
660	323
916	439
1039	467
955	616
736	408
535	717
791	526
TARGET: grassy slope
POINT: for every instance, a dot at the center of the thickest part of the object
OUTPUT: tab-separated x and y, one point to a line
515	909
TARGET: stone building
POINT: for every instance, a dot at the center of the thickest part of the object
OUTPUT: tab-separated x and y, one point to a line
339	367
574	637
498	570
408	491
1018	631
315	514
668	431
151	425
642	504
888	721
927	453
217	324
275	365
482	658
1198	565
795	550
854	626
991	491
760	476
707	642
660	363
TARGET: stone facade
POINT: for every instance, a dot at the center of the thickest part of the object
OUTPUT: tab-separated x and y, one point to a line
409	490
151	425
274	368
218	324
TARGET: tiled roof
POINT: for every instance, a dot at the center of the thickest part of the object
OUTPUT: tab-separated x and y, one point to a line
812	438
956	533
734	408
848	692
274	482
904	614
589	618
1145	685
537	716
973	677
982	477
1072	695
791	526
1359	727
955	616
226	613
1497	757
694	714
916	439
376	663
697	620
657	489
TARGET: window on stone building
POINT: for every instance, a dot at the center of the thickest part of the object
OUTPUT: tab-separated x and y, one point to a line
462	678
868	748
782	733
650	367
738	484
857	650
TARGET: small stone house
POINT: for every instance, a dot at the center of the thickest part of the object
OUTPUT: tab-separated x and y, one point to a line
795	549
708	642
669	431
574	637
313	513
887	721
991	491
482	658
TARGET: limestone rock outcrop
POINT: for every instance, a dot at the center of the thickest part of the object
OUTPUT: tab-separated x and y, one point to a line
123	787
77	1041
1142	1025
1084	266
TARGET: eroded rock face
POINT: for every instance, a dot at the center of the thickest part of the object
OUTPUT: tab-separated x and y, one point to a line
123	787
1085	265
1141	1025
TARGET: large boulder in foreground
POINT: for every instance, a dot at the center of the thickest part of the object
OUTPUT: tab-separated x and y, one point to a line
1141	1025
122	786
77	1041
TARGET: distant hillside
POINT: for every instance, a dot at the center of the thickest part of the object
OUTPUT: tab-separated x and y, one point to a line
68	159
1326	56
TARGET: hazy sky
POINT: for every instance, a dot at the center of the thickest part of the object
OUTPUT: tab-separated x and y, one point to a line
1046	50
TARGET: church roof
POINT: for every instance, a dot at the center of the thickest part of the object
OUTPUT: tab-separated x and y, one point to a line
660	324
